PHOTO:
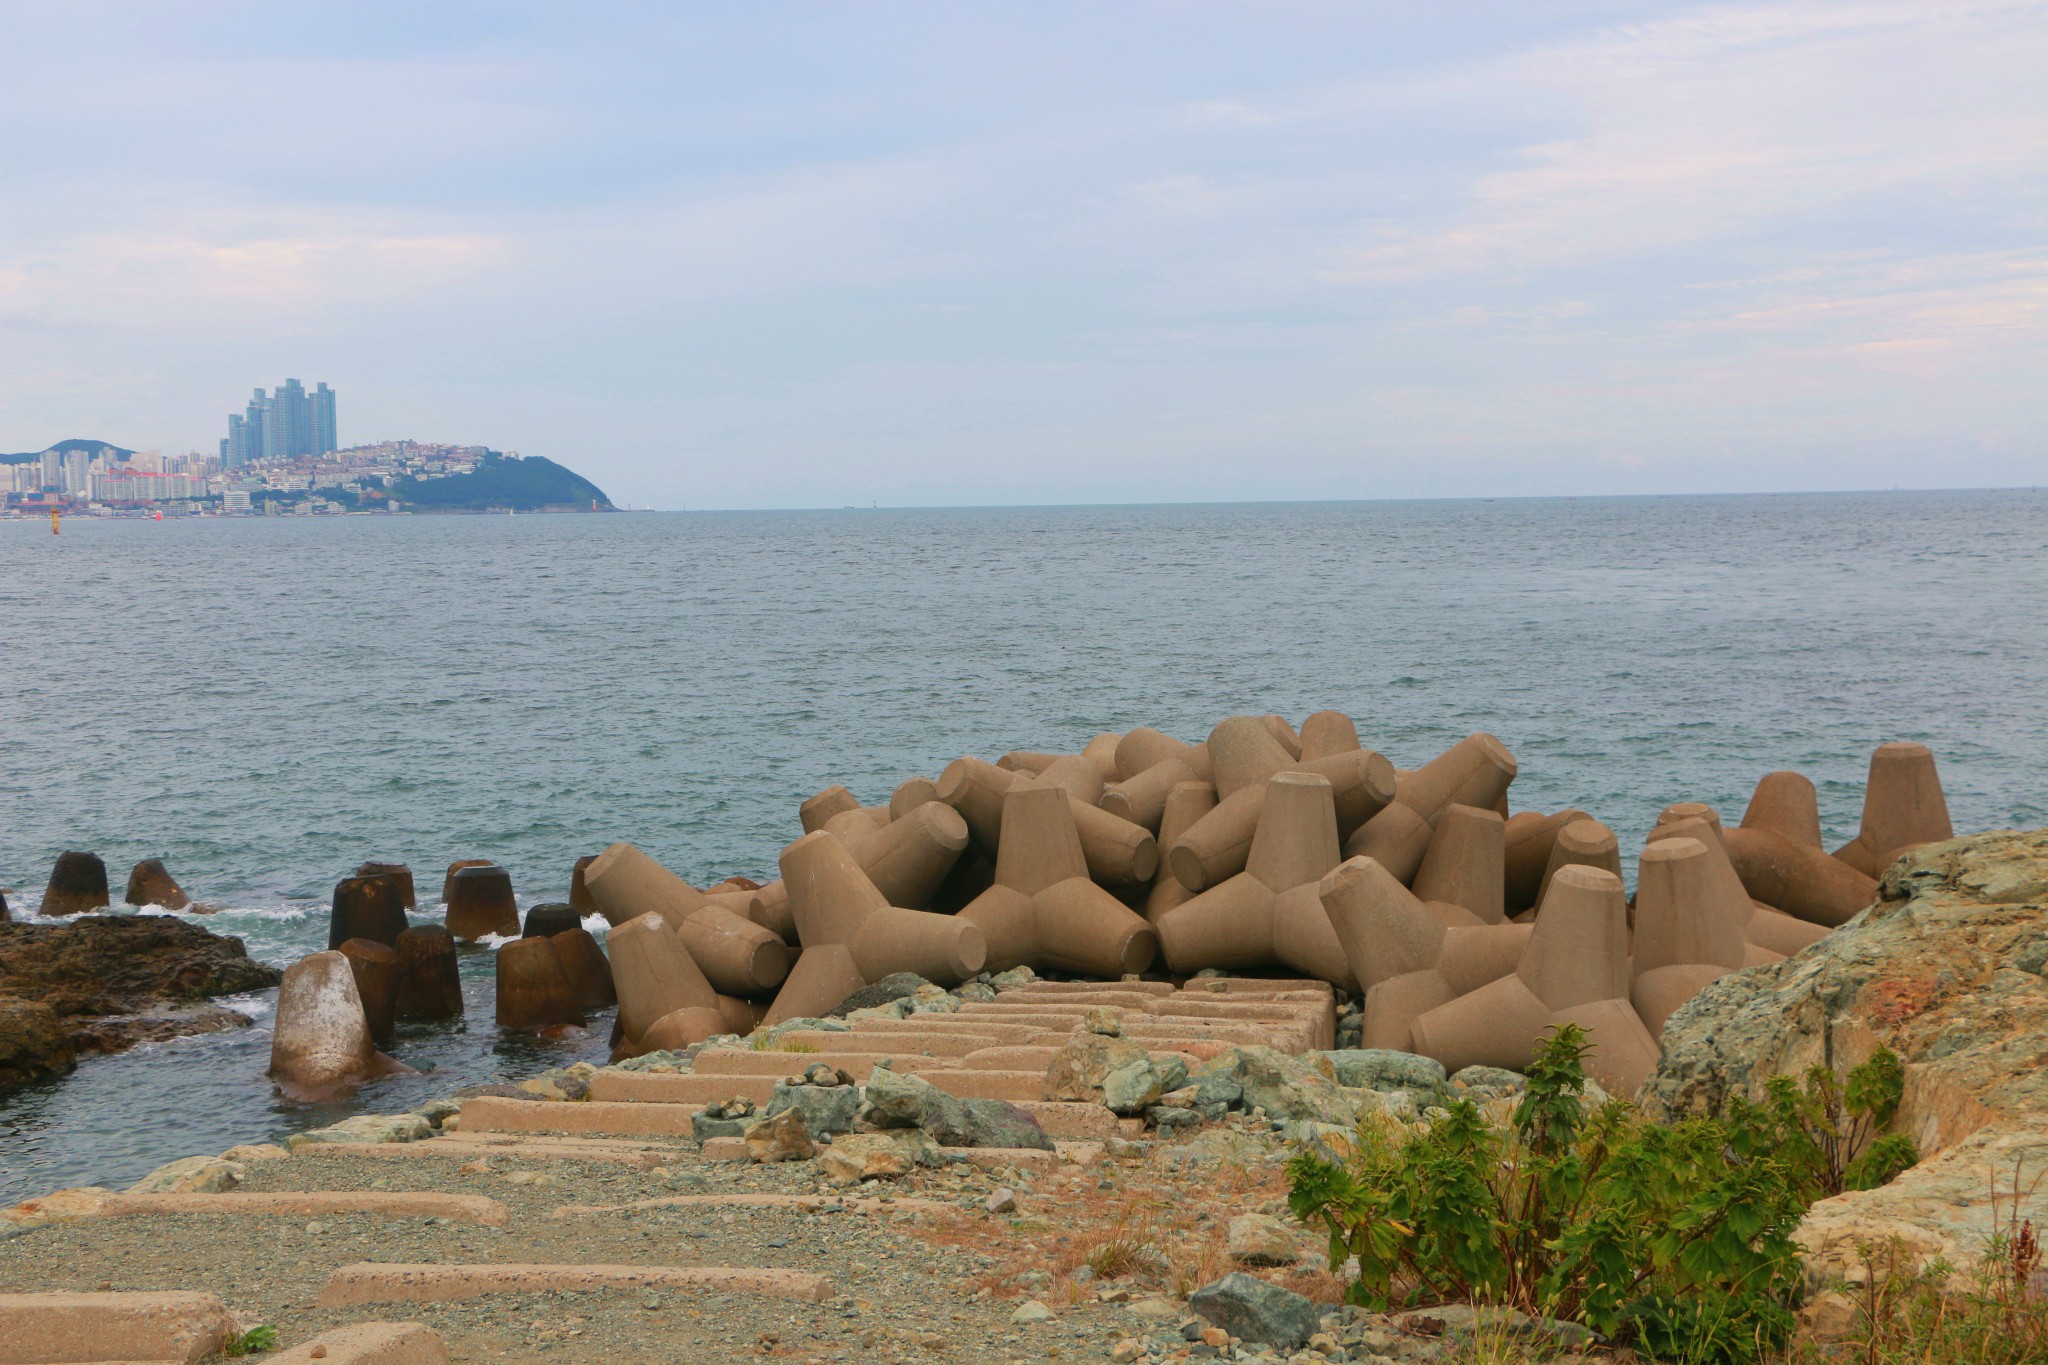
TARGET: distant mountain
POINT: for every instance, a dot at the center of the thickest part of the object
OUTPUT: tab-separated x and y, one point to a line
62	447
527	485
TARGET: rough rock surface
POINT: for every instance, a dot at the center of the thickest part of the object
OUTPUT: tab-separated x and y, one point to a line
102	983
1949	970
904	1100
1254	1310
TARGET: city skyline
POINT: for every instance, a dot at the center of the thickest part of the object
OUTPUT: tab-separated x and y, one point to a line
279	426
1056	253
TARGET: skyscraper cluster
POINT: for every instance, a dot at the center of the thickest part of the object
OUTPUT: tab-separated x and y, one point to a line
280	425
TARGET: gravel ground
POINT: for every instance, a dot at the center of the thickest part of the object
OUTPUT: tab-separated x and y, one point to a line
1112	1249
904	1294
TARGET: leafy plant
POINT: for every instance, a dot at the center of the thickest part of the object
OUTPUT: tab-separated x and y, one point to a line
256	1339
1677	1238
1827	1131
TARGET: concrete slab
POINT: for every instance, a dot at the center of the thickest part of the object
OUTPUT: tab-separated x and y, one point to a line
44	1329
369	1343
491	1114
373	1282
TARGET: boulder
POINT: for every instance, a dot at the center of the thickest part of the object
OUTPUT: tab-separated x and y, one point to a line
825	1108
192	1175
367	1128
780	1137
1254	1310
1262	1239
1383	1069
894	986
1949	970
1296	1087
876	1156
903	1100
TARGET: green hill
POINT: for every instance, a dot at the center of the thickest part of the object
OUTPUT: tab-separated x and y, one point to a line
64	447
526	485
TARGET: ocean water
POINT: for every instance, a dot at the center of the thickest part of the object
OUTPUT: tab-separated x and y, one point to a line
266	703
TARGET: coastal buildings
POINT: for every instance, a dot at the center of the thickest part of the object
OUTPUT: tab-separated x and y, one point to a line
287	424
87	476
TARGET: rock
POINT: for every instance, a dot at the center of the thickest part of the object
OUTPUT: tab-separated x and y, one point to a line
1013	979
1945	970
78	883
1032	1311
894	986
1253	1310
1001	1201
255	1151
1218	1083
1382	1069
102	983
1130	1348
192	1175
780	1137
151	883
1106	1020
1261	1239
1296	1087
366	1128
1086	1061
1133	1088
876	1156
825	1108
1482	1083
1946	1209
706	1127
905	1100
34	1042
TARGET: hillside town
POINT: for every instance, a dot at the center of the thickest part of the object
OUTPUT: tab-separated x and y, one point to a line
91	478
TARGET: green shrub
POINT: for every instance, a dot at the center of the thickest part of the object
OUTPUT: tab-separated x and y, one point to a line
249	1343
1675	1238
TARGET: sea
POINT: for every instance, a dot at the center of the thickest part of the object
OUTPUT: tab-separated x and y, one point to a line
265	703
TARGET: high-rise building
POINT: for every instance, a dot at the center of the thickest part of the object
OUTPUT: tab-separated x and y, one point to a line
77	469
53	469
282	425
320	410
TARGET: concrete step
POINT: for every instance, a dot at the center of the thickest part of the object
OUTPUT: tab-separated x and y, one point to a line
989	1030
382	1282
680	1087
369	1343
534	1149
144	1326
1068	1119
796	1203
459	1208
990	1085
1010	1059
739	1062
898	1042
488	1113
1086	987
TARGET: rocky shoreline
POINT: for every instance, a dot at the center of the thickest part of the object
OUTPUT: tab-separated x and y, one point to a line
104	982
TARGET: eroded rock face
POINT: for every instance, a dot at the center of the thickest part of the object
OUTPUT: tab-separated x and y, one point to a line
1949	970
102	983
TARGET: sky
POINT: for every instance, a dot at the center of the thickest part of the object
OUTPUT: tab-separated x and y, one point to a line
795	255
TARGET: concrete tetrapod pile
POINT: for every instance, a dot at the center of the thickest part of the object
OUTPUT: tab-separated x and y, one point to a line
1262	850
